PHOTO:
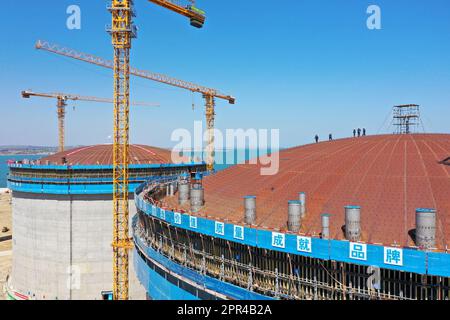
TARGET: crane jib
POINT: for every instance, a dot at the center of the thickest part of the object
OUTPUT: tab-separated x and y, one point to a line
157	77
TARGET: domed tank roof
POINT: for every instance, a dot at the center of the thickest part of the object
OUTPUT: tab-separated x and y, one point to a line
388	176
103	155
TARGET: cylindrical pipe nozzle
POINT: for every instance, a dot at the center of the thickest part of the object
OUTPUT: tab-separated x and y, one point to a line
250	209
302	199
426	228
353	223
325	226
197	198
184	190
294	216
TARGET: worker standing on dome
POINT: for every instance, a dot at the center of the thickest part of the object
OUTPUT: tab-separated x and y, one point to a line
354	133
317	138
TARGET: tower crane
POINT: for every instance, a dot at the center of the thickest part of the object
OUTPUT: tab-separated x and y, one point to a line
61	104
208	94
122	32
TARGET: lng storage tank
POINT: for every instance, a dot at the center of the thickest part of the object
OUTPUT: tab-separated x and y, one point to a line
62	220
357	218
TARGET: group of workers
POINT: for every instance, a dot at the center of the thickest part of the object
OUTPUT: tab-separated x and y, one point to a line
359	132
330	137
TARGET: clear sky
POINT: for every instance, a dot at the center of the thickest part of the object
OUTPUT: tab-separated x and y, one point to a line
301	66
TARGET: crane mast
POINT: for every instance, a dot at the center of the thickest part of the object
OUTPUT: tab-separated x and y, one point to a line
61	107
210	119
121	32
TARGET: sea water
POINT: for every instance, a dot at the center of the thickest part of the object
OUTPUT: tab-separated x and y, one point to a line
4	165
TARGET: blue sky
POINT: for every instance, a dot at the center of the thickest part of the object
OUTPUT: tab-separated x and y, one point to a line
301	66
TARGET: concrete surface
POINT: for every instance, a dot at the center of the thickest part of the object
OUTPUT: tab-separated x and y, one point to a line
62	247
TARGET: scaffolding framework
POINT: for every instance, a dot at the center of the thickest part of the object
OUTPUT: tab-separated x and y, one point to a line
406	118
282	275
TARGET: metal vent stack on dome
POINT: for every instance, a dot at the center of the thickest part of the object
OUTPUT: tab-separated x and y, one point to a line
250	209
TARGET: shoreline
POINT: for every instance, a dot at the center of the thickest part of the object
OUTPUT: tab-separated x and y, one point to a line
25	154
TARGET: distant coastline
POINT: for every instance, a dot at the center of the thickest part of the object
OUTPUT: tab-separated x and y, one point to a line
14	150
13	153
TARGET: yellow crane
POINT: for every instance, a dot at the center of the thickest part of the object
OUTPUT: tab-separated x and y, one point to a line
122	31
61	104
196	15
208	94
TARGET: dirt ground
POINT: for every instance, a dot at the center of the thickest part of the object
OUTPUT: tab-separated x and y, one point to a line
5	246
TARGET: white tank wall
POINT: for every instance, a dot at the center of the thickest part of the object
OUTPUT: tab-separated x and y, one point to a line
53	232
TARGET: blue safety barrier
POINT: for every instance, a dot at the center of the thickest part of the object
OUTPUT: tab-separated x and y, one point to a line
395	258
101	167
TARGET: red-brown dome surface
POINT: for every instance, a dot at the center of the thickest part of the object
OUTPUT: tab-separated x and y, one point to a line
389	176
103	155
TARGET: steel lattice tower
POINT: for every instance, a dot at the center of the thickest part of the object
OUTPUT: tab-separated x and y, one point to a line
122	34
406	118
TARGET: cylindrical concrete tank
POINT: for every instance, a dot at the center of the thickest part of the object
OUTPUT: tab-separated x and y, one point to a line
197	198
302	199
184	189
294	216
250	209
353	223
325	226
63	228
62	246
426	228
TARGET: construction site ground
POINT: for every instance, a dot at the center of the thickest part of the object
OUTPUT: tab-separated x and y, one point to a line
5	245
